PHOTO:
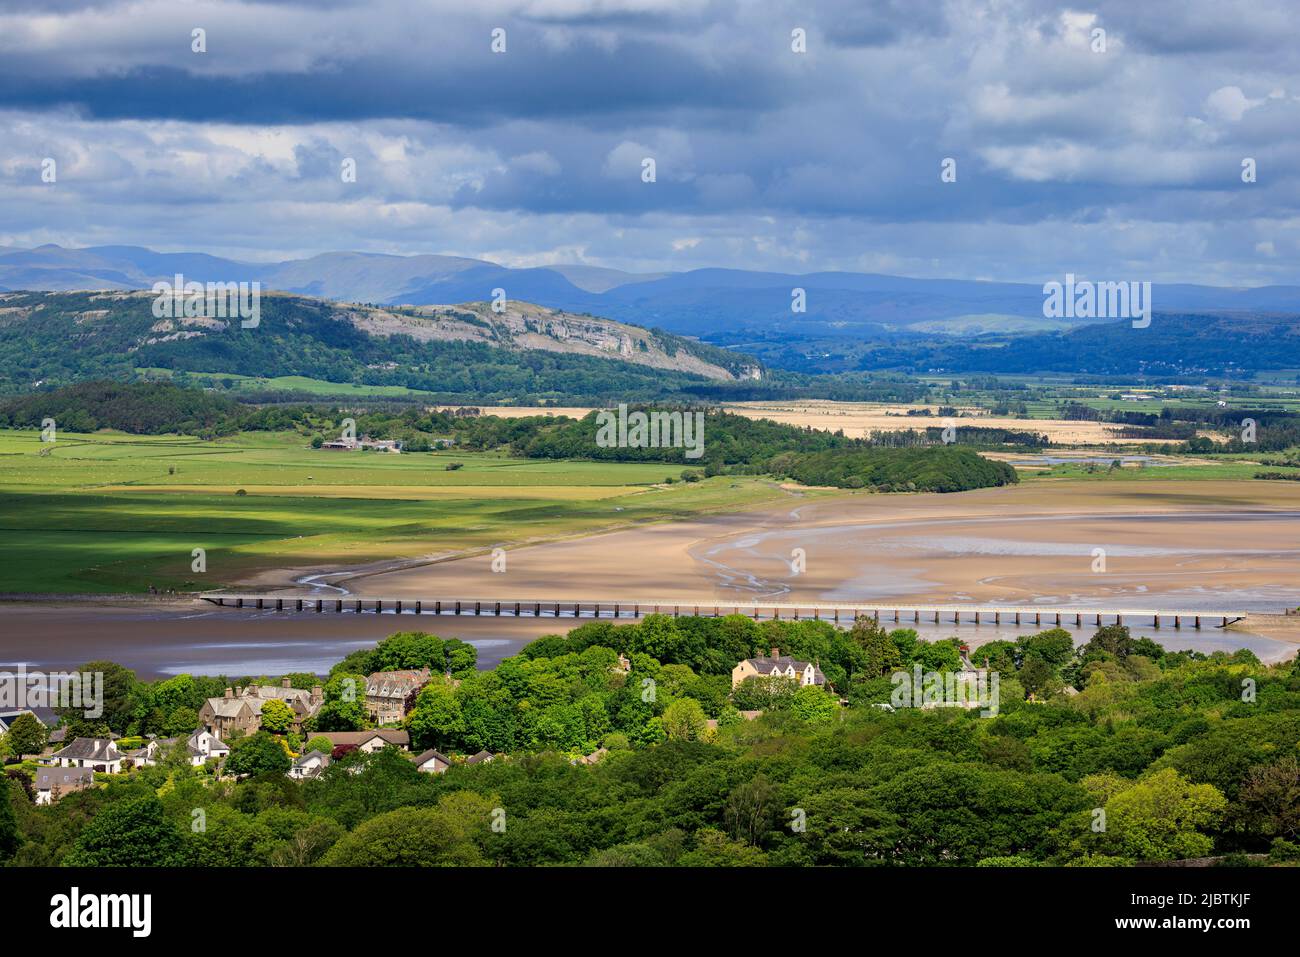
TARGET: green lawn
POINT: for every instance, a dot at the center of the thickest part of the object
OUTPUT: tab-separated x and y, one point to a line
112	513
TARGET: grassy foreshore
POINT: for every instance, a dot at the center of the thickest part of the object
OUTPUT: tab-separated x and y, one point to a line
111	513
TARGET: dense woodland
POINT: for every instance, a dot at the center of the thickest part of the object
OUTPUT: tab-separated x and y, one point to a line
1188	756
945	468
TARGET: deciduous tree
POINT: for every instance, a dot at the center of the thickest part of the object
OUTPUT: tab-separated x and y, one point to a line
128	833
257	754
27	735
277	717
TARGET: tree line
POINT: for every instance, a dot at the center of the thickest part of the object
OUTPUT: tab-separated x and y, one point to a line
1186	755
732	443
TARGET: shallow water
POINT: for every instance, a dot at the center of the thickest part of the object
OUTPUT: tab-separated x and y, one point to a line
863	562
159	643
1202	557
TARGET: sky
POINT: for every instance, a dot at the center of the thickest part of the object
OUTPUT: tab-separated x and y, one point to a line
1120	163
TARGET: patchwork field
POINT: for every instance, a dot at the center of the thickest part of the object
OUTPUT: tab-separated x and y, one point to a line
115	513
860	419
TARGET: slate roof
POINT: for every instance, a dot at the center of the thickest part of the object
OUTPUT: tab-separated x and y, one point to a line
395	684
195	751
90	749
49	778
431	755
231	707
254	696
765	666
390	735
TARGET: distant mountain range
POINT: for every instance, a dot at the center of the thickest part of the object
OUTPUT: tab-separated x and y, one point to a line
727	306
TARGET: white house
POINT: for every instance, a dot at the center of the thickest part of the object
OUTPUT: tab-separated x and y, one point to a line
309	765
375	739
98	754
432	762
145	755
203	744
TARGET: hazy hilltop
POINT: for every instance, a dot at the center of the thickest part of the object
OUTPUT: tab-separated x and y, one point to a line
56	338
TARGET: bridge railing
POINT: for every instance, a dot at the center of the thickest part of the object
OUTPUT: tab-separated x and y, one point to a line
639	608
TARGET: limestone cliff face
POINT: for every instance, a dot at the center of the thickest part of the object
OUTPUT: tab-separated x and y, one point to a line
523	325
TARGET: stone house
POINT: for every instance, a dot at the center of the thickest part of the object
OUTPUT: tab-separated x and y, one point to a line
239	711
390	695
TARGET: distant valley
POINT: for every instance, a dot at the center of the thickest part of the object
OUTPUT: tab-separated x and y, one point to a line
740	321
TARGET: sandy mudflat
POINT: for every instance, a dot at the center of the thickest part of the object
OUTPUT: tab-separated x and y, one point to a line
1179	546
1274	627
1176	545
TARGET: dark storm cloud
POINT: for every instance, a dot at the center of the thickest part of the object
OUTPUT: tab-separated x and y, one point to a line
472	90
1066	157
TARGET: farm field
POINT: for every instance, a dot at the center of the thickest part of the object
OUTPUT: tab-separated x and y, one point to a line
858	420
1203	470
111	513
288	383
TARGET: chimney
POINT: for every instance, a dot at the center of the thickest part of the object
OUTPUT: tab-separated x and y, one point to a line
230	692
284	682
776	652
317	693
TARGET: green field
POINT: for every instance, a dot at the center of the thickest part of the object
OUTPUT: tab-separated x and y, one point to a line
1042	394
114	513
1223	470
289	383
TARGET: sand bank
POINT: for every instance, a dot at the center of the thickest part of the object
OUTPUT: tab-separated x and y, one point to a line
1177	545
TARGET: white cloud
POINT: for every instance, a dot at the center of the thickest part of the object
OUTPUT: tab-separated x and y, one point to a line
1229	103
